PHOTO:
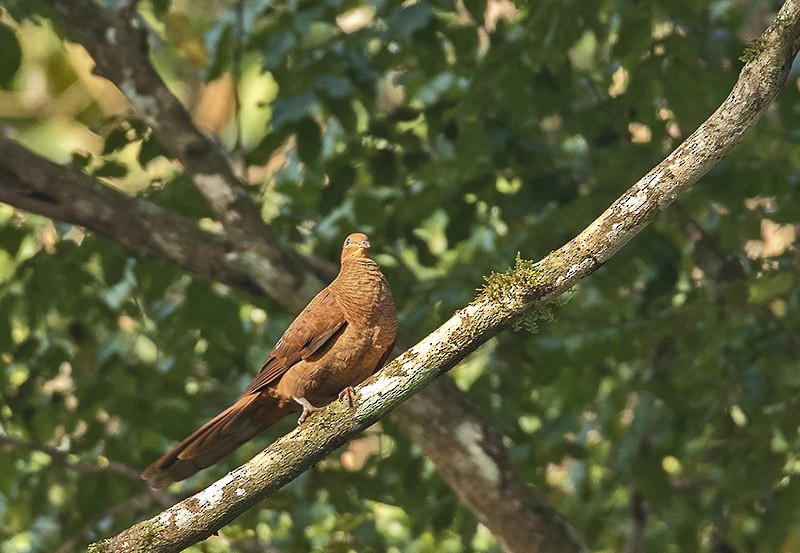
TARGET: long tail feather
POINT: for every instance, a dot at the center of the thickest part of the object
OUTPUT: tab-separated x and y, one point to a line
237	424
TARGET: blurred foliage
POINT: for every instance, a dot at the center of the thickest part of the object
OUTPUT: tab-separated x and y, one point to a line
456	135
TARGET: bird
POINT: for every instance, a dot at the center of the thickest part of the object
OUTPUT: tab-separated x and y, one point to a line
343	336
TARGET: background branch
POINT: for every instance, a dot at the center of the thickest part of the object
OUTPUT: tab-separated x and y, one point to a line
11	443
35	184
507	298
102	31
478	468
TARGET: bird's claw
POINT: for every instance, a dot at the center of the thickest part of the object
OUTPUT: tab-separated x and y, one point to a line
307	408
348	393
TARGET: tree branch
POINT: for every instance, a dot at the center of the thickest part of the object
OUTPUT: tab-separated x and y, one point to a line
251	259
276	271
511	512
131	71
62	458
477	467
507	299
33	183
120	53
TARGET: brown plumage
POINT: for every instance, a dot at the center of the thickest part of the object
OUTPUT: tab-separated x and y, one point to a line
343	336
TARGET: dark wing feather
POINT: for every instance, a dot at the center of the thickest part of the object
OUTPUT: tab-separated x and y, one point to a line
320	322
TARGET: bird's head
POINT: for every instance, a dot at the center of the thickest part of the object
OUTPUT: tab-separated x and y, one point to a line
356	245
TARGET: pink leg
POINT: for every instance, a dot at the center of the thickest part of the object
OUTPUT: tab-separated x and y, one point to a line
307	408
348	393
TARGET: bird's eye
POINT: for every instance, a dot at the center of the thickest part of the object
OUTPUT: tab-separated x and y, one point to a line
347	242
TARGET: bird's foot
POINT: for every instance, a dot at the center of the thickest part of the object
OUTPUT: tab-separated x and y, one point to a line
307	408
348	393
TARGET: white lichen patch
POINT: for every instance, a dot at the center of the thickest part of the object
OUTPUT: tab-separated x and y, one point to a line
442	335
179	517
656	179
377	386
144	104
256	265
572	271
240	492
246	471
217	190
470	435
636	201
212	495
254	467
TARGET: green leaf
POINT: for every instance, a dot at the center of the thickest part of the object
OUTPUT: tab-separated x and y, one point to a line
309	140
771	286
160	7
11	238
81	160
10	55
220	41
334	86
476	8
291	110
277	48
111	169
116	140
150	149
406	20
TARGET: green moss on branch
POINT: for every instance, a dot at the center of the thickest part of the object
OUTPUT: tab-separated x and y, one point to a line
507	288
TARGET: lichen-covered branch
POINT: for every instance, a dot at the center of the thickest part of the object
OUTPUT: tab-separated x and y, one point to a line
38	185
509	298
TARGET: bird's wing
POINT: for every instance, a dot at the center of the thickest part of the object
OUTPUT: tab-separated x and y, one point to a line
318	324
384	357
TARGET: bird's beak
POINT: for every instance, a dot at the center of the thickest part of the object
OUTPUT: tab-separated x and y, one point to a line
364	244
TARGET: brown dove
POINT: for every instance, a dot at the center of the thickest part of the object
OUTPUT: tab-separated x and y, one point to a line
342	337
